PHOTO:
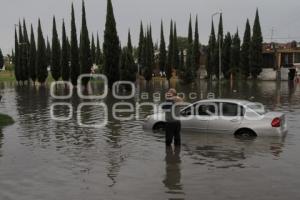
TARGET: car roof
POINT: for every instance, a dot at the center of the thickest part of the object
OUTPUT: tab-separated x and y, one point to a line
237	101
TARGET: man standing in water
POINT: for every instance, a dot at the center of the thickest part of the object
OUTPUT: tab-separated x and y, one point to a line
173	125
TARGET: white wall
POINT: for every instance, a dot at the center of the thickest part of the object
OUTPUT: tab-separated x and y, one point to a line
268	74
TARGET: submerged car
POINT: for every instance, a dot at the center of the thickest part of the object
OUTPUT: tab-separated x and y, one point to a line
227	116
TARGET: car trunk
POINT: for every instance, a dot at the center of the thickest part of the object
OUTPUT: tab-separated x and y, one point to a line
273	115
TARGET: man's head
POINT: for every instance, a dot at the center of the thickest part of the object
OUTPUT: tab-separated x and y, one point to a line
171	93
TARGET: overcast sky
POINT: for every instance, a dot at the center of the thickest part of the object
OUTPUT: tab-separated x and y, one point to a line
283	16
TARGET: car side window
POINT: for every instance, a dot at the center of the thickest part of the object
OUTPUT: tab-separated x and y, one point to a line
230	109
207	110
188	111
202	110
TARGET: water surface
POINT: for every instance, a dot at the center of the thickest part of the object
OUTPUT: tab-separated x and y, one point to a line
44	159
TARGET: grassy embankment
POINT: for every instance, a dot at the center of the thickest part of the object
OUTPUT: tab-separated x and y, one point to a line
5	120
6	76
10	76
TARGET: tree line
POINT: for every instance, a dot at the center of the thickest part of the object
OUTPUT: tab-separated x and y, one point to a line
1	59
182	55
68	58
239	60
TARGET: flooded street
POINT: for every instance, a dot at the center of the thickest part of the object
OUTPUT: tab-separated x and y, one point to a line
45	159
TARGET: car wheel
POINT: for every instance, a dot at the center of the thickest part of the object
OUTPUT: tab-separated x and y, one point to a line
245	134
159	127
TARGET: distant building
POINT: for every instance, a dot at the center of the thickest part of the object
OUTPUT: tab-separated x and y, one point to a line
279	59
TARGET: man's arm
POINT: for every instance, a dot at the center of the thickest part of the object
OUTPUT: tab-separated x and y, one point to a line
178	99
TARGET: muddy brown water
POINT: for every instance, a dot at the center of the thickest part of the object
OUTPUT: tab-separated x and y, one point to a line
41	158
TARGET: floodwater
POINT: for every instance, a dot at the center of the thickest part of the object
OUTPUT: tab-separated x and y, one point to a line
41	158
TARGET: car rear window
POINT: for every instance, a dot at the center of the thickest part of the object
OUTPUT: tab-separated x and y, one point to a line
258	108
229	109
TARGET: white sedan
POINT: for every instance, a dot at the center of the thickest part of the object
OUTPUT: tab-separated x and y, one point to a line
228	116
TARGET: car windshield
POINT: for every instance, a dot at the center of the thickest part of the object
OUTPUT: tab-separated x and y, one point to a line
256	107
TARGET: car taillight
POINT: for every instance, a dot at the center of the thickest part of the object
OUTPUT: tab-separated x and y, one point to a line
276	122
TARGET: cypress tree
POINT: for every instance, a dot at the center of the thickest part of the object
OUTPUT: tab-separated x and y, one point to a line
93	50
111	47
256	60
235	55
189	74
75	68
189	61
64	59
99	59
219	43
227	55
144	58
128	67
162	50
32	57
17	59
129	44
69	52
245	51
85	51
48	52
25	53
175	50
141	46
170	54
124	63
41	60
181	63
144	50
21	53
55	55
1	59
196	47
149	55
152	60
210	66
13	56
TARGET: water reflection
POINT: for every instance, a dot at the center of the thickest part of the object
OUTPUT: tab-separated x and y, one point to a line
36	127
1	141
32	105
172	180
64	152
114	152
225	151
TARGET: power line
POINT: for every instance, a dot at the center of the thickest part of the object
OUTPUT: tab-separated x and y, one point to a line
282	38
272	33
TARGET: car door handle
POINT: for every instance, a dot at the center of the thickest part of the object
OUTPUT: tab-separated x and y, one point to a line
234	120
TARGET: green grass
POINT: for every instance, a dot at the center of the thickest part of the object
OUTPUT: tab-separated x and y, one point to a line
5	120
7	76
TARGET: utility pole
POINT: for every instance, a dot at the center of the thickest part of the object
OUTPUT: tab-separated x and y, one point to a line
276	65
272	34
